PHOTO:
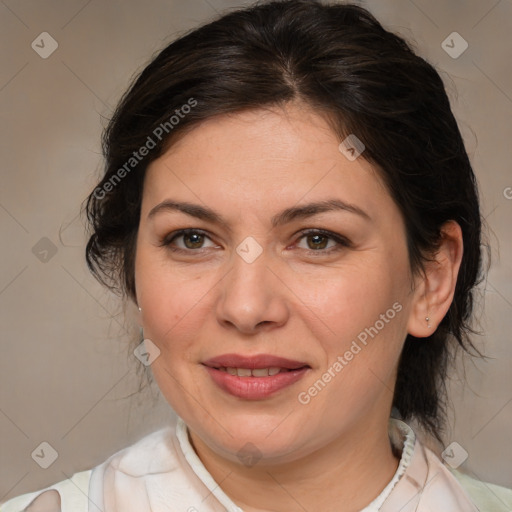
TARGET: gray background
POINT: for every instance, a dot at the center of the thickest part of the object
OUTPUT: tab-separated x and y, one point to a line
67	375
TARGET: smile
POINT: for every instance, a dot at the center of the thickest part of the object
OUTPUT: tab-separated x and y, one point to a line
250	387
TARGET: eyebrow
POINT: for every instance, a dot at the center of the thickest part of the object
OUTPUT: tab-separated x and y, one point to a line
284	217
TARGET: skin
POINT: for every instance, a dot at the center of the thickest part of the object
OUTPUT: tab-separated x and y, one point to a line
291	301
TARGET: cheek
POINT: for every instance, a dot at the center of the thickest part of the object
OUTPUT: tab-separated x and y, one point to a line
360	316
348	299
171	299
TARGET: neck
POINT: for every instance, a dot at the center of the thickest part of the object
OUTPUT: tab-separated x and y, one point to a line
351	470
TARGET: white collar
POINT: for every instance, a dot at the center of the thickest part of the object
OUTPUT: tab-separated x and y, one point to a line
401	435
403	439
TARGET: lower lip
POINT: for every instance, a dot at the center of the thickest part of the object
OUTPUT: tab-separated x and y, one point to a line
255	388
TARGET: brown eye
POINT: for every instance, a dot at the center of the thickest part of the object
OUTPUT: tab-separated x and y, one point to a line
191	239
196	240
318	241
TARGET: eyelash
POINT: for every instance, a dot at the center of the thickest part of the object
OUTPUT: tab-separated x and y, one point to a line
341	241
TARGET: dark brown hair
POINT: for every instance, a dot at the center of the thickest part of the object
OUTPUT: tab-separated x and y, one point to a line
368	81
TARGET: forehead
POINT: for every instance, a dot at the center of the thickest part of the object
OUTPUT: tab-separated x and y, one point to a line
268	155
293	131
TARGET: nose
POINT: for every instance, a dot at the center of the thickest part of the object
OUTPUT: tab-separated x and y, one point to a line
253	296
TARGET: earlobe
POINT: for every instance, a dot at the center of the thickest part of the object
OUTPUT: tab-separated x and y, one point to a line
435	287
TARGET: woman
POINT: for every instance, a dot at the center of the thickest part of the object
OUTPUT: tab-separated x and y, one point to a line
288	201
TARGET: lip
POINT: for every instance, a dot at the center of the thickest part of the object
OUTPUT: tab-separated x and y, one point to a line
254	388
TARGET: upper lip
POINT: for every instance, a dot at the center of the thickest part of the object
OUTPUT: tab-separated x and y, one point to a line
253	362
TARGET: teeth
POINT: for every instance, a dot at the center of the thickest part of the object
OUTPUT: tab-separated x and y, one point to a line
257	372
260	372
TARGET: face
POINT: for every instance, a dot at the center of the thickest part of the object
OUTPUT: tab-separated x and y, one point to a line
320	294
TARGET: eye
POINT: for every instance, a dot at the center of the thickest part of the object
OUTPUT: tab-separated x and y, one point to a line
192	239
318	239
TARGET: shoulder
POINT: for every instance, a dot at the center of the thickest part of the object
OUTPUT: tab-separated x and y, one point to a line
153	453
149	454
430	483
69	494
485	495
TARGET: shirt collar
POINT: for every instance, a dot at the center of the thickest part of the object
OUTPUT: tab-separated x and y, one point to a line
401	436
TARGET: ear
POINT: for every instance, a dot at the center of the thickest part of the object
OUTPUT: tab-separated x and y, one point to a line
434	290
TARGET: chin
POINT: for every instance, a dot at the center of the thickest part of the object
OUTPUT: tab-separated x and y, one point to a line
253	437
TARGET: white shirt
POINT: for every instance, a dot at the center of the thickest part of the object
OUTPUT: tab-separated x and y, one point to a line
162	473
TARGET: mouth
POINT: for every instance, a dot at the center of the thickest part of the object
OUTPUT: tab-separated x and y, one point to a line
244	366
255	372
254	377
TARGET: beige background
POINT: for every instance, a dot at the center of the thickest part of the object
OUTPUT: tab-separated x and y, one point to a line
66	372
